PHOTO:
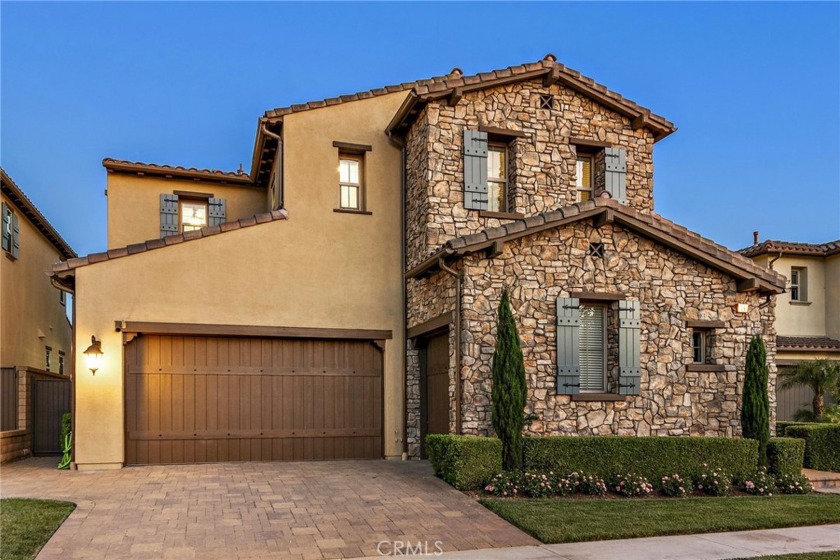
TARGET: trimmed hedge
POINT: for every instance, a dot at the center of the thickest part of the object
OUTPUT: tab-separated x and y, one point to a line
782	426
465	462
785	456
469	462
822	444
652	457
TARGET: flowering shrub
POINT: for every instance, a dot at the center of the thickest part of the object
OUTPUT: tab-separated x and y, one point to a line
504	485
537	485
714	482
630	485
592	485
674	486
759	483
565	485
793	484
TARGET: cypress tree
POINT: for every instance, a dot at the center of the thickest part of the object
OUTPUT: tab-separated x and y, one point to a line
509	389
755	405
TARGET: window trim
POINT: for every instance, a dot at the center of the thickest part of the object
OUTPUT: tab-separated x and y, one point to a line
47	358
604	345
62	297
62	358
591	189
192	200
704	348
358	156
502	148
801	285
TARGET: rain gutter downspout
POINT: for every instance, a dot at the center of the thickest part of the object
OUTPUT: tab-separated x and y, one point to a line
458	283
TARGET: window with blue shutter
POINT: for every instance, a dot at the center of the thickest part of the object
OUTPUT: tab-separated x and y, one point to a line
7	228
15	236
168	214
629	347
217	211
475	170
615	177
568	346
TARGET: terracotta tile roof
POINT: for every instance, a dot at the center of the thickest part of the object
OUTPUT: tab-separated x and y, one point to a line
28	209
792	248
649	225
807	344
118	165
64	267
439	86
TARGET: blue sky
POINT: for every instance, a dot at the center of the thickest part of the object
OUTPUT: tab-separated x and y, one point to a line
754	89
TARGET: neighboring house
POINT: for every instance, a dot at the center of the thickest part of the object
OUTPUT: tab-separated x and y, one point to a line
35	333
355	311
808	313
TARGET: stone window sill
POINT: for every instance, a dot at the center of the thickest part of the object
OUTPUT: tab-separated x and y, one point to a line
705	367
349	211
500	215
794	302
600	397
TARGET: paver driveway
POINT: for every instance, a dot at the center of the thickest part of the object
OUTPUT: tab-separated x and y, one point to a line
256	510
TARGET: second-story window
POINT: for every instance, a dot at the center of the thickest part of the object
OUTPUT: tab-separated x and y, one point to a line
583	178
497	178
798	283
11	232
47	358
193	214
350	173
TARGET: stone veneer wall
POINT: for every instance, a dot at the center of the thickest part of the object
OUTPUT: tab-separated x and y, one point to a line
671	287
427	298
543	162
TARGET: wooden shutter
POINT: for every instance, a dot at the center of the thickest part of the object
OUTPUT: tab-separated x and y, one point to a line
568	346
15	236
168	214
216	209
629	327
616	173
7	228
475	170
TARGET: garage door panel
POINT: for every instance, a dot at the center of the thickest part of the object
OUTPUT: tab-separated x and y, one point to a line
201	399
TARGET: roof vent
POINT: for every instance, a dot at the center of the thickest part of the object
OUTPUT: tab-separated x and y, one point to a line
550	57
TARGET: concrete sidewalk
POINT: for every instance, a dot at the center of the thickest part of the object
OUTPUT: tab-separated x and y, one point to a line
711	546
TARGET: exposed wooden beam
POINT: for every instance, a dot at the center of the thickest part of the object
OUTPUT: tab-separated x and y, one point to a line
201	329
456	96
496	249
748	285
434	324
606	217
551	77
705	324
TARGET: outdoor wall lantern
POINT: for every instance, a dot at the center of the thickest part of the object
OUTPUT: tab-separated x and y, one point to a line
93	355
742	308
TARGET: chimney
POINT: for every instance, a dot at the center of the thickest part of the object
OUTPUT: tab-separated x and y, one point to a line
755	238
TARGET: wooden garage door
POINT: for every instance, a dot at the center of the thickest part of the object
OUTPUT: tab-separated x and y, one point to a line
208	399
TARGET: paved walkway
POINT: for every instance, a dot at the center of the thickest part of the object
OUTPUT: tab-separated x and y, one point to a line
826	482
340	509
711	546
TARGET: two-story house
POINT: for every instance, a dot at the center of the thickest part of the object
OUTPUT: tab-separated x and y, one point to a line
807	313
339	300
35	332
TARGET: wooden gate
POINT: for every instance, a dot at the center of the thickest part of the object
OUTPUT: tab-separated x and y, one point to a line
192	399
50	400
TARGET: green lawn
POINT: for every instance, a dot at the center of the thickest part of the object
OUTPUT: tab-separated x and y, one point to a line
26	525
572	520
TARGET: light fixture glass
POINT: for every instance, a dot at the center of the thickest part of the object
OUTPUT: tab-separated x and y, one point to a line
742	308
93	355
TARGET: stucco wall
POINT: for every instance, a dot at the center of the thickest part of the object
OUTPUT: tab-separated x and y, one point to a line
319	268
799	318
29	303
832	296
134	204
672	288
542	170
